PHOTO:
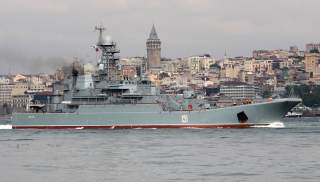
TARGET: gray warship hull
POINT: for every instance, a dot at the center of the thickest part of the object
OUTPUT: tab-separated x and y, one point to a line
152	116
106	100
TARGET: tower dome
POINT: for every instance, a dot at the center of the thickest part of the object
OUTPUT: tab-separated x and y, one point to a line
153	34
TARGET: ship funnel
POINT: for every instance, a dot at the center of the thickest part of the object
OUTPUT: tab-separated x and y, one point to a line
75	73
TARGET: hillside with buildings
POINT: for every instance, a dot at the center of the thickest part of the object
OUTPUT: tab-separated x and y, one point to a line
230	80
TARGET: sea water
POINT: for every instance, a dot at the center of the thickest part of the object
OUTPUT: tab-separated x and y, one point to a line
291	153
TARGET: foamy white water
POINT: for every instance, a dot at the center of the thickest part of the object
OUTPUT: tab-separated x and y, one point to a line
272	125
5	127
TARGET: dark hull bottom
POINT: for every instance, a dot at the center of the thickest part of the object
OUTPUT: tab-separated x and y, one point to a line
142	126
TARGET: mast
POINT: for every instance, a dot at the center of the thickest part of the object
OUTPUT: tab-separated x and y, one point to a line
108	59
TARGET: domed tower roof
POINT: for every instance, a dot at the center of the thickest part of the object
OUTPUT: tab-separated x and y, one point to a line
153	34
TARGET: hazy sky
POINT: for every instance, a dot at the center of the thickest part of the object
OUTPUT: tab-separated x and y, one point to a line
36	34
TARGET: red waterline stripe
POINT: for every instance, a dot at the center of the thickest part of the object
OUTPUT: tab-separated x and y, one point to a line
245	125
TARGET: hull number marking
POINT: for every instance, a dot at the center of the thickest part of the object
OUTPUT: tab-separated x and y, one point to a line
184	118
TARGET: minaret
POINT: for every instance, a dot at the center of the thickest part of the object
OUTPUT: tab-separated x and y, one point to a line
153	51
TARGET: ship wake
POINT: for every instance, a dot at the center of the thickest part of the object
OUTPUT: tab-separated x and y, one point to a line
5	127
271	125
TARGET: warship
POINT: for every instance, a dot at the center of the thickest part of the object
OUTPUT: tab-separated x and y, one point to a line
106	101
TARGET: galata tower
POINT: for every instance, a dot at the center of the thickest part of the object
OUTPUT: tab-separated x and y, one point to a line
153	51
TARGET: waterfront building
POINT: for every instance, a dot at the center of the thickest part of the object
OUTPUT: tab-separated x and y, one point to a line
264	66
231	71
258	66
246	77
137	61
194	65
58	74
295	52
153	51
293	49
285	63
261	54
21	87
182	66
170	66
312	62
129	72
200	63
214	72
132	67
238	90
14	93
312	46
4	80
20	103
5	93
36	79
270	54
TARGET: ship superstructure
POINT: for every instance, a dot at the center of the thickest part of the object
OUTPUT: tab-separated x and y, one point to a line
106	86
108	61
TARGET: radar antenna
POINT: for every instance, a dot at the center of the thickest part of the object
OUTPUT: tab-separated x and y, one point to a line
101	29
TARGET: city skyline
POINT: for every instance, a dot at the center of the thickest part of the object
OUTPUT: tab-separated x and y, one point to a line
43	32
